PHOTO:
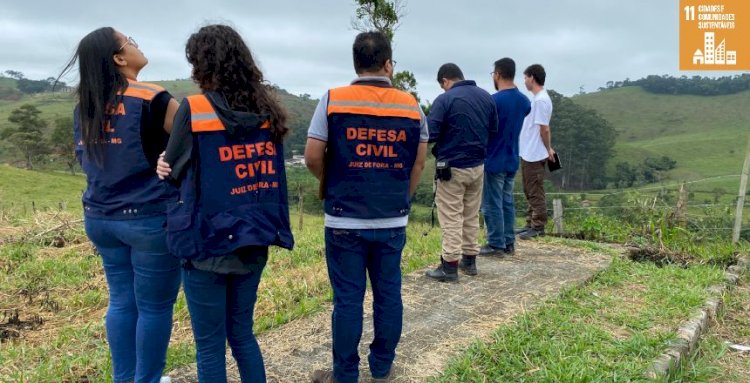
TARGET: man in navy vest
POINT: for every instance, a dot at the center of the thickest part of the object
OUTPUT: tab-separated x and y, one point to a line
367	144
461	120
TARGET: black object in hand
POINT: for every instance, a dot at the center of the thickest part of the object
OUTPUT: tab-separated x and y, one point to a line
552	166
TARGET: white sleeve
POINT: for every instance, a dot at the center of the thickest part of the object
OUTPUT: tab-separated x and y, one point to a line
542	112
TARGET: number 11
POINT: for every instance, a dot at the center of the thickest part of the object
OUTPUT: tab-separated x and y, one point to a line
690	13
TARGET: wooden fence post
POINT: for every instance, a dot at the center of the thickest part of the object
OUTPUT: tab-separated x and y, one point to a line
680	213
741	196
557	214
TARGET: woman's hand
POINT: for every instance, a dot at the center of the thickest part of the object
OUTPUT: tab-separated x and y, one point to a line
162	167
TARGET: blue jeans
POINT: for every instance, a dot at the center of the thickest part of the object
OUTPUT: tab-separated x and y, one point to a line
143	280
221	308
498	210
351	255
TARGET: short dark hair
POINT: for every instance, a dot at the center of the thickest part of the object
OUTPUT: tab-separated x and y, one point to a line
506	68
450	71
370	51
536	71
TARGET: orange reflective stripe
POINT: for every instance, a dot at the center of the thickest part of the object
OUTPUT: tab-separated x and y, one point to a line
374	101
203	115
200	104
142	90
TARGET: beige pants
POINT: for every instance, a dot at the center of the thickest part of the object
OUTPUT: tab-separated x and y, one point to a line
458	202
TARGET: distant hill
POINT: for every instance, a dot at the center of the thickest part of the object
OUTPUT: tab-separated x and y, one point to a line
706	135
60	104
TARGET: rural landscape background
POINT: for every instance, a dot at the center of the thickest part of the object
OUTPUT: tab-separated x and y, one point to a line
652	168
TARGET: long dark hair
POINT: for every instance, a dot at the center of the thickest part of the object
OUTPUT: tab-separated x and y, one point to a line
222	62
100	83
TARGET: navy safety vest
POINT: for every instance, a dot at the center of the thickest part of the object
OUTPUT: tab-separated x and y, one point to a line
372	145
125	185
234	193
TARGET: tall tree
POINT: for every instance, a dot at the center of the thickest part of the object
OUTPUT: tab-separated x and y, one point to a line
385	16
28	133
62	142
380	15
584	140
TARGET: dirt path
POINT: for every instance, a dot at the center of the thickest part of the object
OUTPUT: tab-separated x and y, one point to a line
467	310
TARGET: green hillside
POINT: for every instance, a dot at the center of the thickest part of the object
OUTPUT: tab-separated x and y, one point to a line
706	135
48	190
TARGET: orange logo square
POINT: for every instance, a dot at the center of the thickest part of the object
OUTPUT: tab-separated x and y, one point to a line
713	35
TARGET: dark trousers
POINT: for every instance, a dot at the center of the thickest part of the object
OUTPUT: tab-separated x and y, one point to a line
533	188
221	309
351	255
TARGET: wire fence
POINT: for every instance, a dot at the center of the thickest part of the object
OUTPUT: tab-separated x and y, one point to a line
717	217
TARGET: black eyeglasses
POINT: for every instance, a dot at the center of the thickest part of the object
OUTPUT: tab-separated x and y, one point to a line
493	73
393	62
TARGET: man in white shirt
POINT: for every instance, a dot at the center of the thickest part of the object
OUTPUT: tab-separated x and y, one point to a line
535	149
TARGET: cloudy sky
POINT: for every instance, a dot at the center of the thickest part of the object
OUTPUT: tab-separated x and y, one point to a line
305	46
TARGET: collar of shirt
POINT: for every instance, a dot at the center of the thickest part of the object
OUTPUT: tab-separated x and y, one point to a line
372	78
464	83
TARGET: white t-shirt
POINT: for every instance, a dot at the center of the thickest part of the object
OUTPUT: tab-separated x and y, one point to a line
530	145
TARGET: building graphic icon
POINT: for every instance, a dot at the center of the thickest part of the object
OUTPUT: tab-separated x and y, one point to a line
713	54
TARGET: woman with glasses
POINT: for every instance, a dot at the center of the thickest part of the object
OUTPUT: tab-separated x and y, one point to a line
227	156
121	126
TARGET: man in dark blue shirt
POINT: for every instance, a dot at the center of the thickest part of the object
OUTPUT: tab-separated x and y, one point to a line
460	122
502	161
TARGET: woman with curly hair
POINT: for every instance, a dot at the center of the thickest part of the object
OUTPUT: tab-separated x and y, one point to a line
226	155
120	127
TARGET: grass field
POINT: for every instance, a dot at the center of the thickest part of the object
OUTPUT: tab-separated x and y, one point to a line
60	294
605	331
608	331
707	136
47	190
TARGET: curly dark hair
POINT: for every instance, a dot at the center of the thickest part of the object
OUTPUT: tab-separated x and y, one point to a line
222	62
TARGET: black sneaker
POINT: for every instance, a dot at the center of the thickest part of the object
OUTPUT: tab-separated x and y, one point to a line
322	376
532	233
489	251
521	230
509	249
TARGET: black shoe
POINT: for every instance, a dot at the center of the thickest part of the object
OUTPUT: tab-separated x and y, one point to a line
489	251
509	249
532	233
385	379
322	376
444	273
468	264
521	230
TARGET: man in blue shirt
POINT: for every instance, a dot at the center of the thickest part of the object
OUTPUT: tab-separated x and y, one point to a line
460	122
502	161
